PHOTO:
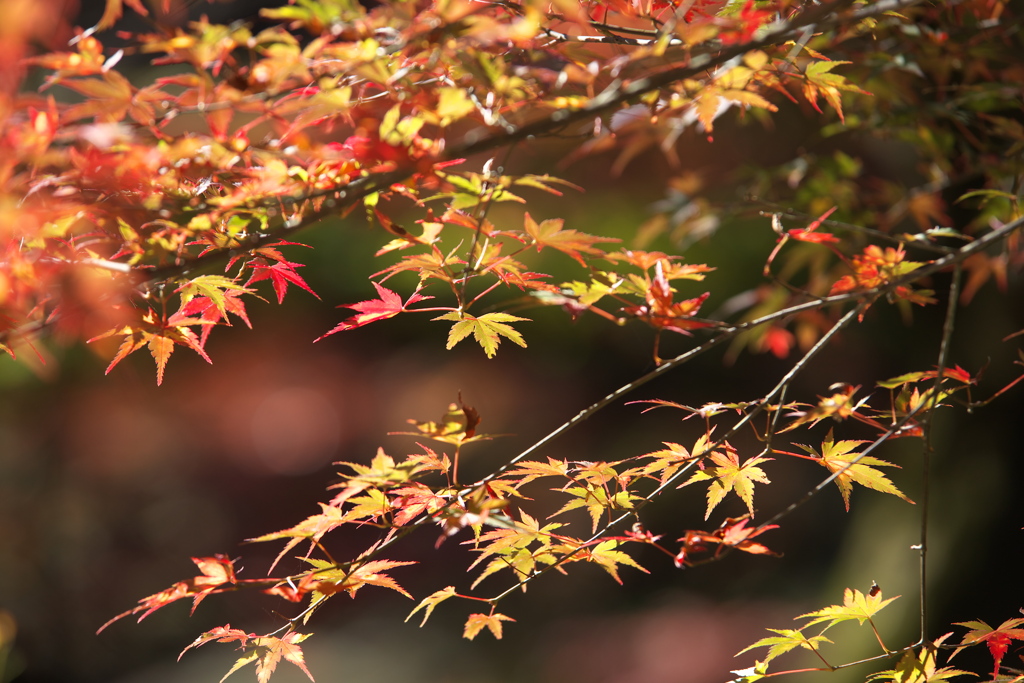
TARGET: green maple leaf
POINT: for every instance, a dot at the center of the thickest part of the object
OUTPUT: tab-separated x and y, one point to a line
727	474
786	640
838	456
487	330
856	605
214	288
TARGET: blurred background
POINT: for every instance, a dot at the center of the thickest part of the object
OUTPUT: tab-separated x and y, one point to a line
109	484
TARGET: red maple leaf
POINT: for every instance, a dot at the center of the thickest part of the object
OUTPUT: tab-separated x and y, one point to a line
808	235
748	21
216	572
997	639
387	306
662	312
280	274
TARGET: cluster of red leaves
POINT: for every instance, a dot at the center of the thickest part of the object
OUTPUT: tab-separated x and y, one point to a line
876	267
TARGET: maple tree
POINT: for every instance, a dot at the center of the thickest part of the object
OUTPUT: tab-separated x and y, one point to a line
153	211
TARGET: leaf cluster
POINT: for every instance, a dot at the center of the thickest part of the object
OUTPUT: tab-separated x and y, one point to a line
156	212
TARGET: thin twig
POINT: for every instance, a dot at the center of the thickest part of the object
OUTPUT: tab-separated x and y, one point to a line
926	451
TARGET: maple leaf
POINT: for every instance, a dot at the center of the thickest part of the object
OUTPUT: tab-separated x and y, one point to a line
432	264
597	500
88	61
312	528
220	634
667	461
457	426
838	405
549	233
732	533
606	555
509	270
528	470
387	306
276	649
956	373
372	506
786	640
487	329
216	571
384	473
268	651
856	605
875	267
413	500
281	274
159	335
821	82
661	311
807	234
477	622
997	639
736	534
748	21
727	474
919	668
215	289
431	601
852	467
519	535
331	579
522	561
211	298
509	548
212	312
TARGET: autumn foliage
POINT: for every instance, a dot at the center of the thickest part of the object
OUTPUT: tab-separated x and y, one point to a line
143	215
